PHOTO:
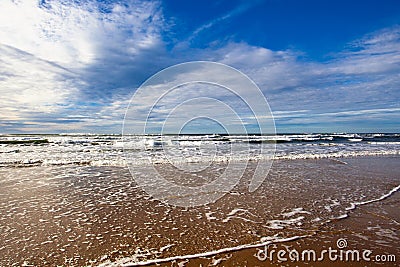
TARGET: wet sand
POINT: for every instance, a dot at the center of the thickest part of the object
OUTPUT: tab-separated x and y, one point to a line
76	216
371	227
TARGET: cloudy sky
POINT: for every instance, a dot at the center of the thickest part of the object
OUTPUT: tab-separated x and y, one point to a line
323	66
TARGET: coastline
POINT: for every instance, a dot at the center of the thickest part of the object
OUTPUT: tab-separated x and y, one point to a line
85	215
353	229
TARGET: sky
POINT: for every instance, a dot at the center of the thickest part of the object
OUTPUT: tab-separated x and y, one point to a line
70	66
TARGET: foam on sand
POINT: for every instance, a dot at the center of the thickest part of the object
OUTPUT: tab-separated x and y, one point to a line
130	260
264	241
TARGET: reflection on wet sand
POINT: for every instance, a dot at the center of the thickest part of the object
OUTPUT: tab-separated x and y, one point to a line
81	215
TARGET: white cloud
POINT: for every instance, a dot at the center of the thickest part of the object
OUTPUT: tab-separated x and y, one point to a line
72	34
234	12
29	84
51	53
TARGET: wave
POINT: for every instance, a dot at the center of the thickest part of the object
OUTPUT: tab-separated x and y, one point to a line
391	192
111	150
121	161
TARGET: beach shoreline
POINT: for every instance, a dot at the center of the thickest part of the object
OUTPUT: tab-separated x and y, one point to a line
85	215
356	230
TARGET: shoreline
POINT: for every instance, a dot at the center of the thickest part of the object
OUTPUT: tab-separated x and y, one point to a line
223	251
99	216
122	161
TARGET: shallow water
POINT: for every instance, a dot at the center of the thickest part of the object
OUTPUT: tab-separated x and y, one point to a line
88	215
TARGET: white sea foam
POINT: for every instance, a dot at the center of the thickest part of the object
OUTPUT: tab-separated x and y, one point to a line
342	216
281	224
243	215
139	150
111	155
273	224
294	212
209	216
355	204
130	261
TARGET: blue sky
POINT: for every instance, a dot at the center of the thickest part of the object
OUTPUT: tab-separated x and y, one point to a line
324	66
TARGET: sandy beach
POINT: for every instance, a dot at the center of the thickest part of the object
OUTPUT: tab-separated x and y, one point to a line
76	216
371	227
